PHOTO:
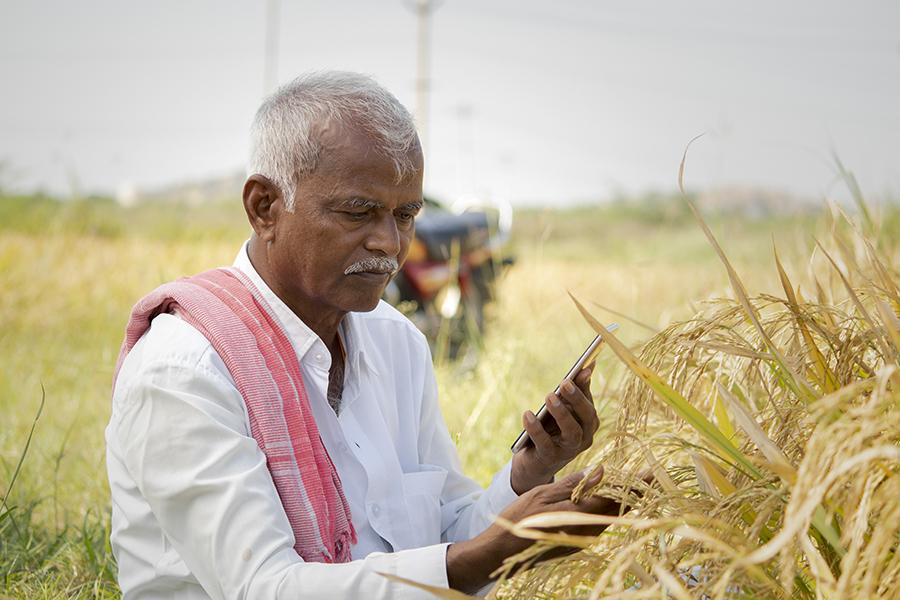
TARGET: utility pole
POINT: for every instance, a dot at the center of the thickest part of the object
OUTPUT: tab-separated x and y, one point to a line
465	149
423	10
270	69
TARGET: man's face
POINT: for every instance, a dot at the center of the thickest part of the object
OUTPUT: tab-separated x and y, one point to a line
348	210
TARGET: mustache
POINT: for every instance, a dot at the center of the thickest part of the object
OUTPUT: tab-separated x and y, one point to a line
375	264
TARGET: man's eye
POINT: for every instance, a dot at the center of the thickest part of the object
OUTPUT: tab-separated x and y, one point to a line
357	215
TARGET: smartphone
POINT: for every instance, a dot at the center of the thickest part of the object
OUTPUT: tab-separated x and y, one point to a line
543	415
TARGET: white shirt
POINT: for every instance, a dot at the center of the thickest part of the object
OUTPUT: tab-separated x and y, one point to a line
195	512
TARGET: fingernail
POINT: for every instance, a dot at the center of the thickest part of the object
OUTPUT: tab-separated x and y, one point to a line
554	402
596	475
567	386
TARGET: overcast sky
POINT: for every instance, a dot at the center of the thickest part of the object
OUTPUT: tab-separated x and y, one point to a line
533	101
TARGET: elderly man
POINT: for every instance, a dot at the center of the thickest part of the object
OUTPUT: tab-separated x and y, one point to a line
275	430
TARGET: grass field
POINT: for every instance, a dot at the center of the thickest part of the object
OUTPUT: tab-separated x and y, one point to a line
69	274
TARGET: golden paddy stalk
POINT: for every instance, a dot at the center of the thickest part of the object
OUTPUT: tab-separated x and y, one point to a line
772	427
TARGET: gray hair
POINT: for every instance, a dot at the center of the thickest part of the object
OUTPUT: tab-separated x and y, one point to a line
283	141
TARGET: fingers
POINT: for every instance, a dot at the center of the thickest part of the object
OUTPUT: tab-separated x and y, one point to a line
599	505
583	379
582	407
542	440
623	503
647	477
570	430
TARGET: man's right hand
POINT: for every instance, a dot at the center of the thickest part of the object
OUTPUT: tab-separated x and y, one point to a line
470	563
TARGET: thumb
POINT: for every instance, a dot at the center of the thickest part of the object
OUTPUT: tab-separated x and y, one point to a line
563	488
591	477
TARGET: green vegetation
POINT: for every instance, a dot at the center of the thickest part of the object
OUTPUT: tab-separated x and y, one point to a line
70	272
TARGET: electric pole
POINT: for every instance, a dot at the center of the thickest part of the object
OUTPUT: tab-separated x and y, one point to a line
270	69
423	10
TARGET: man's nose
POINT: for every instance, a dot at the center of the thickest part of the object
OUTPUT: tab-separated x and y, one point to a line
385	236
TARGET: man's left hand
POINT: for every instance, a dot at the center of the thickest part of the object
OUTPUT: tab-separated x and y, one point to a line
559	441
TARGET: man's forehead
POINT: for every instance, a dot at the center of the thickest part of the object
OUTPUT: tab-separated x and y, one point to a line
362	178
338	134
339	139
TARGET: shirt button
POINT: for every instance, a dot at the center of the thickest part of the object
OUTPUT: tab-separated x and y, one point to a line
319	357
376	510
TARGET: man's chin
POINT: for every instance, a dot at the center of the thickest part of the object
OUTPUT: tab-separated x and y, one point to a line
367	307
369	294
363	303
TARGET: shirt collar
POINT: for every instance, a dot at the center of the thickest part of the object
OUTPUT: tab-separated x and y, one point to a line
355	341
301	336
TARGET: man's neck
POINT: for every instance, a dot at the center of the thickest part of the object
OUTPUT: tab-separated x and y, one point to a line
323	323
336	375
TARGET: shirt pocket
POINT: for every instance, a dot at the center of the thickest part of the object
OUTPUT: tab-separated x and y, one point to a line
422	493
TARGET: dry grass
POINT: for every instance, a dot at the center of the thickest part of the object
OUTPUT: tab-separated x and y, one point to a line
771	424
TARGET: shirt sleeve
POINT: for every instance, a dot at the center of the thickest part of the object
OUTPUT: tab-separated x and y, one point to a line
183	438
466	508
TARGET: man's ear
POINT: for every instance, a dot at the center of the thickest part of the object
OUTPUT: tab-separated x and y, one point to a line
262	203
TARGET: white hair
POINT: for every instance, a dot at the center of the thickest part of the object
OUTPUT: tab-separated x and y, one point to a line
283	139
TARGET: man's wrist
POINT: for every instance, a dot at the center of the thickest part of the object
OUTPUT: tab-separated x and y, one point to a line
470	564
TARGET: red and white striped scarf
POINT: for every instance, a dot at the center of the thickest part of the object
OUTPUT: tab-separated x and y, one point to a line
225	306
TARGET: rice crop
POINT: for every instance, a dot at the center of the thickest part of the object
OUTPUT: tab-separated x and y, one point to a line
770	423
